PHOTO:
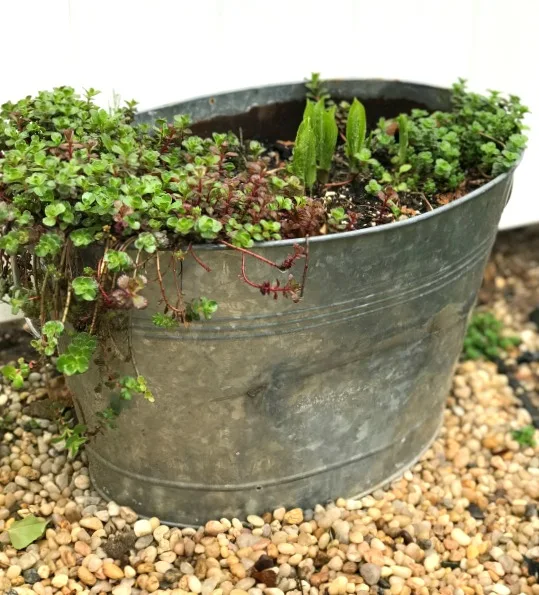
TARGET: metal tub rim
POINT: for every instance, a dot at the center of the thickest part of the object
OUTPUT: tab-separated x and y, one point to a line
385	228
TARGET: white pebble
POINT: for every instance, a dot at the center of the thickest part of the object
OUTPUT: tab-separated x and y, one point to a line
255	520
59	581
142	527
460	537
431	562
194	584
82	482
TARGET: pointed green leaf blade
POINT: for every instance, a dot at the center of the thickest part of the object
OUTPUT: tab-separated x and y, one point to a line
403	138
317	123
24	532
304	158
308	113
356	128
328	139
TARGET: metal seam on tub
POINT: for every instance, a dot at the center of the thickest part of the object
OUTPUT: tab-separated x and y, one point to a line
303	313
251	485
225	334
398	473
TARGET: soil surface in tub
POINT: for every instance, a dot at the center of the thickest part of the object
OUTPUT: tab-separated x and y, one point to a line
275	126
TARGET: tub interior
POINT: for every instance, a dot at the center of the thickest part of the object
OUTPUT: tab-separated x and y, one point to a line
280	120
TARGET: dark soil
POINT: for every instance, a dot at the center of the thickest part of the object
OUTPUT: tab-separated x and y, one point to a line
275	126
364	209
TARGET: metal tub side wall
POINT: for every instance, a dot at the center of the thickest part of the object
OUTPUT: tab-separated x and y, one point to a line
274	403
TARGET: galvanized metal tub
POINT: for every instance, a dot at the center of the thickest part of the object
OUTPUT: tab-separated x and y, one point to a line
275	403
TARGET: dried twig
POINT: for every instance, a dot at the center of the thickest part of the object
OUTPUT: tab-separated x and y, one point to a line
425	200
162	288
68	302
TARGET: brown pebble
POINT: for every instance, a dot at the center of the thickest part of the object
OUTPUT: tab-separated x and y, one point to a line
86	576
145	568
238	570
267	577
319	578
294	516
112	571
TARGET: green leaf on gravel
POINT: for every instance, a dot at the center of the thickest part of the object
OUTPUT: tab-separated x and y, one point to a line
525	436
23	533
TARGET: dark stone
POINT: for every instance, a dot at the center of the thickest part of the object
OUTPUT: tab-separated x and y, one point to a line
384	584
534	316
513	382
42	409
321	559
119	544
406	537
503	368
73	515
476	512
424	544
31	576
11	592
393	532
173	575
264	562
528	357
533	566
450	564
531	510
500	494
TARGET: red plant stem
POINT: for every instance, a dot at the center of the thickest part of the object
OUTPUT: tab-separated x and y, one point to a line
290	260
264	287
249	253
104	294
142	264
162	287
166	142
42	297
305	267
244	274
197	259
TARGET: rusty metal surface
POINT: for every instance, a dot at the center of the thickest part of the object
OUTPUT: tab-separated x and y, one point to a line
274	403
